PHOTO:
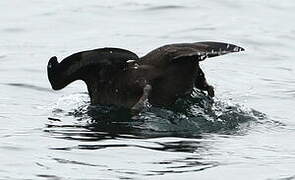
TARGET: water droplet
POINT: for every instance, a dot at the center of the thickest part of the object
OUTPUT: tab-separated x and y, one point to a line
130	61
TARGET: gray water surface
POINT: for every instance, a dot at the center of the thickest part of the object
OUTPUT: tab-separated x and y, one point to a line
246	132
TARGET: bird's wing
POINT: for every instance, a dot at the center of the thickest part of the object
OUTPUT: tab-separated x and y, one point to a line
179	53
103	57
83	65
201	50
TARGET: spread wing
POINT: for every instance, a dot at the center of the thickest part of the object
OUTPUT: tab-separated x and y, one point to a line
184	51
85	65
203	50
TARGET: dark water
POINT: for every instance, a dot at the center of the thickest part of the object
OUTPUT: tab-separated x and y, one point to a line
246	131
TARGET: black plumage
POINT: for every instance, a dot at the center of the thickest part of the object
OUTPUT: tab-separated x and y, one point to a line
119	77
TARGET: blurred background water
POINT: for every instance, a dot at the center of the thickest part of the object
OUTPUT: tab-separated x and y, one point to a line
247	132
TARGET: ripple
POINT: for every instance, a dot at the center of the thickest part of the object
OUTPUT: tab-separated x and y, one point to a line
65	161
164	7
196	29
29	86
46	176
285	178
13	30
184	169
182	145
191	161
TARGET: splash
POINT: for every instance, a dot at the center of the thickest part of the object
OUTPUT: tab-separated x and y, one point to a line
188	117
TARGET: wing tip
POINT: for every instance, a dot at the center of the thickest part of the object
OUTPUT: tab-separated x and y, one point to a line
238	48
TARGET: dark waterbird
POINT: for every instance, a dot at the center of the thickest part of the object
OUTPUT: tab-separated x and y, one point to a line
119	77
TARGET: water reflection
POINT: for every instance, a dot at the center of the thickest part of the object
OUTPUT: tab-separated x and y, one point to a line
195	163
